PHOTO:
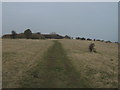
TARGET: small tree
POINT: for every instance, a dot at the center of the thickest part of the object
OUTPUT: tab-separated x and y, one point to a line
38	32
92	47
28	33
13	34
77	37
83	38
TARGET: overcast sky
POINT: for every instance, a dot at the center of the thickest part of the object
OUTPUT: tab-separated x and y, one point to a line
90	20
0	18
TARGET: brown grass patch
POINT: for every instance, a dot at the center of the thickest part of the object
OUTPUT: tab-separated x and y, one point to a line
99	69
0	63
19	56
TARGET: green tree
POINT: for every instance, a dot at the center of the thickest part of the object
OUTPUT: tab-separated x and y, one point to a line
28	33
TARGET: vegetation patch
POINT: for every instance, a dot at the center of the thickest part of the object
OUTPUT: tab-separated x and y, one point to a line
56	71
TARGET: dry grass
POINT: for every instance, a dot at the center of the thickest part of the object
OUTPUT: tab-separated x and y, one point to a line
100	70
55	71
19	56
0	63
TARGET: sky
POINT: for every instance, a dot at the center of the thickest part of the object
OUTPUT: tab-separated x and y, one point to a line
119	22
96	20
0	18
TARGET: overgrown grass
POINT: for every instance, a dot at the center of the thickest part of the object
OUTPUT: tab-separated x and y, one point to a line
19	56
99	69
0	63
56	71
36	63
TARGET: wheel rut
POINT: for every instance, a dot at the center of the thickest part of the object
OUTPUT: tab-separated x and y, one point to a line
55	71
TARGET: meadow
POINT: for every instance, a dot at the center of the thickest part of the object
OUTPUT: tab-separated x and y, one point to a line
100	70
58	63
0	63
18	56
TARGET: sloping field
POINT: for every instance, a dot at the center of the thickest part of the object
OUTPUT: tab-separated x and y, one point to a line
59	63
18	57
99	69
0	63
55	71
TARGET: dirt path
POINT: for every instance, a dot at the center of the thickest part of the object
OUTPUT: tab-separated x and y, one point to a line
55	71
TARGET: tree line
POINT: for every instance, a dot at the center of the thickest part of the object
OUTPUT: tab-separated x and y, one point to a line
88	39
29	35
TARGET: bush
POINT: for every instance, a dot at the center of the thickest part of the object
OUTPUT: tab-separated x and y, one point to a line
28	33
13	34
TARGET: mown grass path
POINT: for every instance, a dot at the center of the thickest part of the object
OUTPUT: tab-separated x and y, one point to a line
55	71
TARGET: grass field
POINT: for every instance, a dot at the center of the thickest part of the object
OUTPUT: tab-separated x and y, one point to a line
0	63
59	63
19	56
99	69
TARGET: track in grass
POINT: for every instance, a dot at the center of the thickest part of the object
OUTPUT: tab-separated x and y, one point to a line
55	71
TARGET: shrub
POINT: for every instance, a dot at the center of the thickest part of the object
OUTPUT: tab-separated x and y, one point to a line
28	33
